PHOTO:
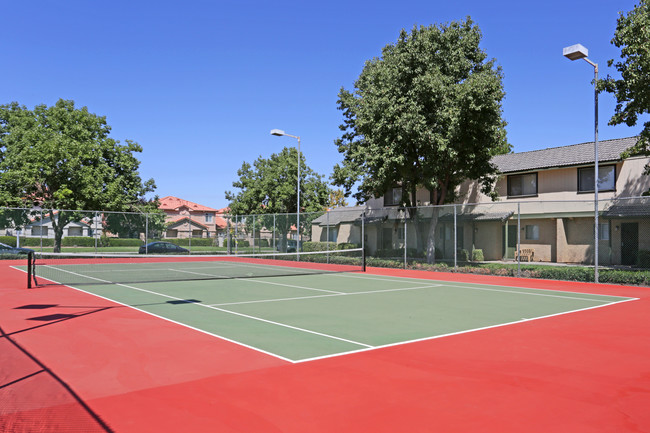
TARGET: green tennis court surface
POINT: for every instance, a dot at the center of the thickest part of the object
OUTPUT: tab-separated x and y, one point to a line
299	318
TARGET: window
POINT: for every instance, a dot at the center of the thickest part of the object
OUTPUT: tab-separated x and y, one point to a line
532	232
75	231
393	197
333	234
603	231
208	217
39	231
606	178
522	185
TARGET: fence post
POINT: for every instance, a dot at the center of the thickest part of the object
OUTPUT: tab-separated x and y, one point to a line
363	240
228	236
146	231
405	242
363	230
518	240
95	229
596	223
327	240
298	233
456	242
41	235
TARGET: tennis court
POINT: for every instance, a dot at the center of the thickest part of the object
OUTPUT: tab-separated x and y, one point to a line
322	311
381	350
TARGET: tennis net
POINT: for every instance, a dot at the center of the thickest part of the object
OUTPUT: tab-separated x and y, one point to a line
79	269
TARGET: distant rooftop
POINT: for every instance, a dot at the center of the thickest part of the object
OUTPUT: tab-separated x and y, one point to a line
576	154
174	203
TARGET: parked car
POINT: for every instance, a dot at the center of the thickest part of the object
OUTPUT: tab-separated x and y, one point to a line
9	250
162	248
291	246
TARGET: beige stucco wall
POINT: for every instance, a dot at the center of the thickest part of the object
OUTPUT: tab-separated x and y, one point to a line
562	184
544	247
347	233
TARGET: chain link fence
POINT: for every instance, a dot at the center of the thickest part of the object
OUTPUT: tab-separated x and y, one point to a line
557	233
512	235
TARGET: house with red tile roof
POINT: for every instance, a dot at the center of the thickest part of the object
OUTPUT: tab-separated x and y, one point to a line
188	219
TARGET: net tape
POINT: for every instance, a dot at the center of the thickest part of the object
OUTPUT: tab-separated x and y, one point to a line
79	268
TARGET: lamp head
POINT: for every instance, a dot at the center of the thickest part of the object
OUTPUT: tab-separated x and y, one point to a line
277	132
575	52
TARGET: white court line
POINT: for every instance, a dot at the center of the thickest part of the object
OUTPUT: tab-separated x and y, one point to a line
326	296
541	292
224	310
366	346
261	282
466	331
212	334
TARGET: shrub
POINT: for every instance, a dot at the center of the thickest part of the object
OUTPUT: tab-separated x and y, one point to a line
396	253
118	242
462	255
624	277
78	241
9	240
318	246
185	242
477	255
36	242
566	273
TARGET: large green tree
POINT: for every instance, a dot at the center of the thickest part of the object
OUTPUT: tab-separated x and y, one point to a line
632	90
269	187
427	113
143	216
62	157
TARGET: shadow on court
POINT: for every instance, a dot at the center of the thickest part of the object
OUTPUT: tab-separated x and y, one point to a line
35	399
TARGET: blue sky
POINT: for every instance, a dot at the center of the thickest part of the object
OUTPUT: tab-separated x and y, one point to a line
199	84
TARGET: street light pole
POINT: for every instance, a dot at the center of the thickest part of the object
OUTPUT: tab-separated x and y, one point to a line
576	52
279	133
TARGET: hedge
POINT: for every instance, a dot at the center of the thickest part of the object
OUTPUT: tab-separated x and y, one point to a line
118	242
77	241
563	273
185	242
27	242
327	246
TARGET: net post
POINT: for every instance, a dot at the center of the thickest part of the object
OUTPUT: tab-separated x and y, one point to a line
30	260
406	238
456	241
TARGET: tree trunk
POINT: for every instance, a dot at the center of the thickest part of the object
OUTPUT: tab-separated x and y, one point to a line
58	223
431	239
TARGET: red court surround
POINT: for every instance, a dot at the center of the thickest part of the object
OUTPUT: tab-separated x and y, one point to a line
581	372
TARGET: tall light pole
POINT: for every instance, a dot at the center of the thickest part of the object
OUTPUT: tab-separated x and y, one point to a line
279	133
575	52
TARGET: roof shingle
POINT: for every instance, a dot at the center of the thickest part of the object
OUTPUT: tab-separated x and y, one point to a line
577	154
